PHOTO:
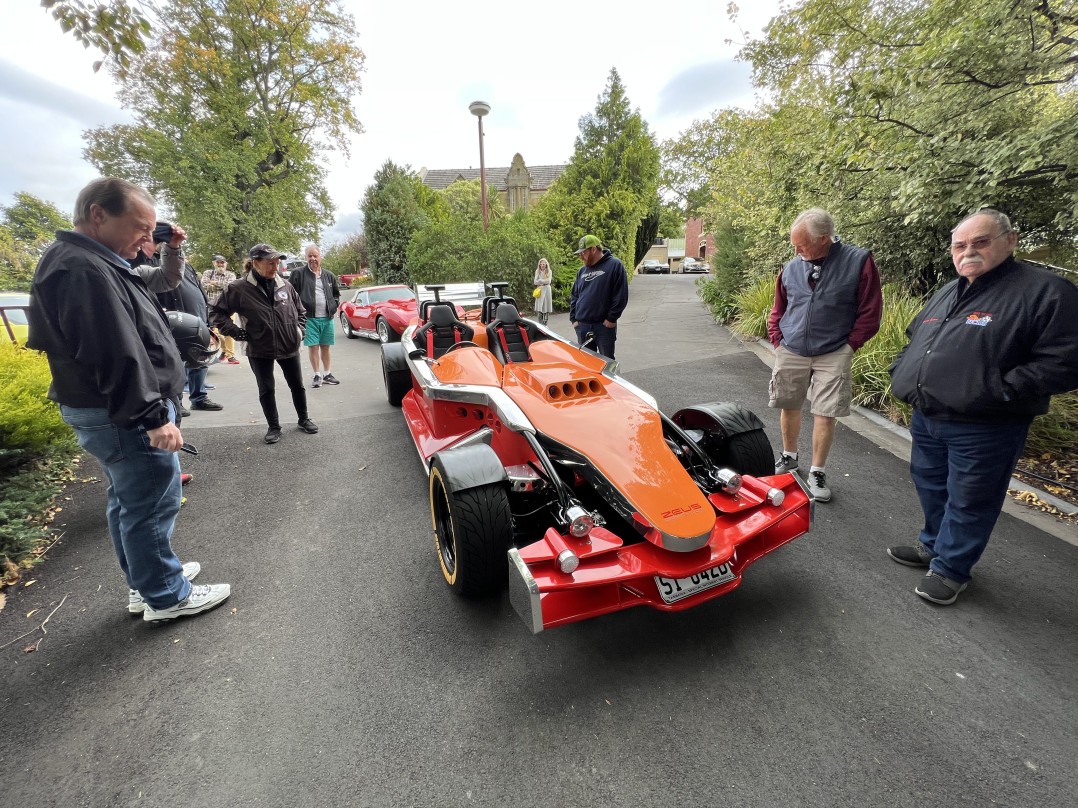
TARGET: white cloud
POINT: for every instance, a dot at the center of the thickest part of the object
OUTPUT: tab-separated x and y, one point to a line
539	72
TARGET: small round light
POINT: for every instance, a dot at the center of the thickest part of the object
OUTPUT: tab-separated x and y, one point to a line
568	561
776	496
580	522
729	480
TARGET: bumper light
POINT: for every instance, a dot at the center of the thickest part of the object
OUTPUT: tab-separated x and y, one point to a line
776	496
729	480
568	561
580	522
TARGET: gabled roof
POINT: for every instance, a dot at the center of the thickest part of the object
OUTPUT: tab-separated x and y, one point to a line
542	177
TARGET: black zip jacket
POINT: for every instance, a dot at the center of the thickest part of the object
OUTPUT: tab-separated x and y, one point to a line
303	279
108	342
274	330
991	351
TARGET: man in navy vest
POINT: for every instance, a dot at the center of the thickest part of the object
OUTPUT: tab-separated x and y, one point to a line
827	305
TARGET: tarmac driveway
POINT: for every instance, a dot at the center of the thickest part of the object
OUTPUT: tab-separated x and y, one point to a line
342	672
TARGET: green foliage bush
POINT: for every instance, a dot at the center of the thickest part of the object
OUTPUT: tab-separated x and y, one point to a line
753	304
30	424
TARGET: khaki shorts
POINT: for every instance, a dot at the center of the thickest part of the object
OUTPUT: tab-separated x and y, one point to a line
826	380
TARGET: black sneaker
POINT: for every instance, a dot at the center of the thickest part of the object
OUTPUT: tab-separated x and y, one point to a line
206	404
308	426
273	434
184	412
912	555
938	589
329	378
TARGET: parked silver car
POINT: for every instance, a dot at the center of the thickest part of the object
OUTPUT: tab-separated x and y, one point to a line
691	265
653	267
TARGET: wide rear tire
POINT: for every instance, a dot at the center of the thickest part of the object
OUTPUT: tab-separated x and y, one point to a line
395	373
750	453
473	529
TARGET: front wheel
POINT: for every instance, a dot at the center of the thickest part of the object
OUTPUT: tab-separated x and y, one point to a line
346	327
473	529
385	333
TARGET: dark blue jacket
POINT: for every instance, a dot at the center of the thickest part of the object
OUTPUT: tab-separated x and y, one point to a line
600	292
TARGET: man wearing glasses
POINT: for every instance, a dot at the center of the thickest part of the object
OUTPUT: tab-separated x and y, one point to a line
827	305
984	357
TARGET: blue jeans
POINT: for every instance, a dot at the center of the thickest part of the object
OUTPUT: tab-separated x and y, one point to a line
196	381
604	337
143	500
961	472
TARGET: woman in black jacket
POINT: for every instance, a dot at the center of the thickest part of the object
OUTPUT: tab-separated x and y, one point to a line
272	320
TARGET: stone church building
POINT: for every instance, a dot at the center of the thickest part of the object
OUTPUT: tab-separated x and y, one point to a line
519	186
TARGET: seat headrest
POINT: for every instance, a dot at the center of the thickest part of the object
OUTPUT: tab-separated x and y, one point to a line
442	315
507	313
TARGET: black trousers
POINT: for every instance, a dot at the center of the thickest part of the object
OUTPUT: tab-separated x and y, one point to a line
293	376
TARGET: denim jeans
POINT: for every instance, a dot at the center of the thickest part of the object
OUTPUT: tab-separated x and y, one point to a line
961	472
604	337
143	500
196	383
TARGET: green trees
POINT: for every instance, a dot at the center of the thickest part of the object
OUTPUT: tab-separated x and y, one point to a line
899	116
391	214
115	27
612	179
233	109
27	227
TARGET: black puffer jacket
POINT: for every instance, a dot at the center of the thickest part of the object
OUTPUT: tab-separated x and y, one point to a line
274	327
995	353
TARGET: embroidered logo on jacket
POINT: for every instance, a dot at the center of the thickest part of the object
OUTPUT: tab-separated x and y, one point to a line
590	276
981	318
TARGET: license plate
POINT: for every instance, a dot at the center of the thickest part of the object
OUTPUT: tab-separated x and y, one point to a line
671	590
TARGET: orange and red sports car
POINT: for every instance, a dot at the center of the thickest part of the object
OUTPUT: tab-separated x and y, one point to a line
551	472
380	312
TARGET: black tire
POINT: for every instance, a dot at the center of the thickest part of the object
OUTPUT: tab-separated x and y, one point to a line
396	375
347	327
473	529
750	453
385	333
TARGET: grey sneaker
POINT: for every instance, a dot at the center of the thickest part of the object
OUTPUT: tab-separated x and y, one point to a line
938	589
785	463
329	378
317	380
201	599
818	486
912	555
135	603
308	426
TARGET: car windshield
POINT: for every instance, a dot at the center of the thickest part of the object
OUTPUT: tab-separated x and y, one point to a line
396	293
16	316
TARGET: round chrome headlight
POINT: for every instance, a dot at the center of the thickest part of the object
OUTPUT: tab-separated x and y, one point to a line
729	480
580	522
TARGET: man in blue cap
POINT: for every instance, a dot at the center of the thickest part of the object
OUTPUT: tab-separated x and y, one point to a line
599	296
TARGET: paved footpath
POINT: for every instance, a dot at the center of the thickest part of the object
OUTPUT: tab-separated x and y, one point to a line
342	672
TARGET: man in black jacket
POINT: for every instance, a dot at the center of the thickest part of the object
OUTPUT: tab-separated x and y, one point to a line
321	296
984	358
117	376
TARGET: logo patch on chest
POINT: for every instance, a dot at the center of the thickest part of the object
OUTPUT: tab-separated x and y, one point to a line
981	318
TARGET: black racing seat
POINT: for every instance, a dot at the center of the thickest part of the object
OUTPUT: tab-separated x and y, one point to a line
509	337
442	330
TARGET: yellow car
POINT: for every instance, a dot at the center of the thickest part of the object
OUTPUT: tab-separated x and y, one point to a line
16	317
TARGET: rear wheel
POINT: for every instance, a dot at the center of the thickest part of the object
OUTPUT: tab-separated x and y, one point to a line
395	374
346	327
473	529
750	453
385	333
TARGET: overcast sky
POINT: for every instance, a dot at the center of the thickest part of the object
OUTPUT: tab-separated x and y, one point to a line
540	70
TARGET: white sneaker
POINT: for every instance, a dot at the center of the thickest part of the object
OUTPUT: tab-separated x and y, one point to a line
317	380
135	603
818	486
201	599
785	463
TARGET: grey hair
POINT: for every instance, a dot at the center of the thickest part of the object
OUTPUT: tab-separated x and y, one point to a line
1001	219
111	194
309	246
816	221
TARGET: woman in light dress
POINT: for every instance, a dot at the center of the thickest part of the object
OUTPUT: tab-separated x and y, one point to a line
544	303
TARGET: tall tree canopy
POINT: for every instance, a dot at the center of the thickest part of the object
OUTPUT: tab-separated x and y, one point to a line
611	182
27	227
392	212
116	28
900	116
234	104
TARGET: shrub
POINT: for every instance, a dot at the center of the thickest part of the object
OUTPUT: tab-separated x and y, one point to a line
30	424
753	304
871	382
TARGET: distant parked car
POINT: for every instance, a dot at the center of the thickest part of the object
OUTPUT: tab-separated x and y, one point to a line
691	265
352	278
15	317
380	312
653	267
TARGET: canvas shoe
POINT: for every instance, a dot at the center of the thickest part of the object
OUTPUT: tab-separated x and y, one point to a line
317	380
818	486
201	599
233	361
186	478
135	603
912	555
785	463
329	378
938	589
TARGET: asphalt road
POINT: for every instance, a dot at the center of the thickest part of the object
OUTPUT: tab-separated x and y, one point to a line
342	672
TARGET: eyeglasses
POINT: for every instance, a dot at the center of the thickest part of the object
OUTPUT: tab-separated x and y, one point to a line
977	243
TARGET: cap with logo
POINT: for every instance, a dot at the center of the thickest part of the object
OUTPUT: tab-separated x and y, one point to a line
264	251
586	243
218	257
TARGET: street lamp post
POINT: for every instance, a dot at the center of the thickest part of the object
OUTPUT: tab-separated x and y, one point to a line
479	109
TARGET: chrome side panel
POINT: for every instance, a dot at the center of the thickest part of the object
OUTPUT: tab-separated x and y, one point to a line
524	593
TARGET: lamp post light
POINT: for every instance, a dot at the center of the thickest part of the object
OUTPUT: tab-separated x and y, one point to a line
479	109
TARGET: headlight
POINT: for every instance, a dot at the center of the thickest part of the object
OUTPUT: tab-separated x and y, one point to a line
776	496
729	480
580	521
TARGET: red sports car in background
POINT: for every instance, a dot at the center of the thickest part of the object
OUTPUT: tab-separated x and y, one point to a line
380	312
